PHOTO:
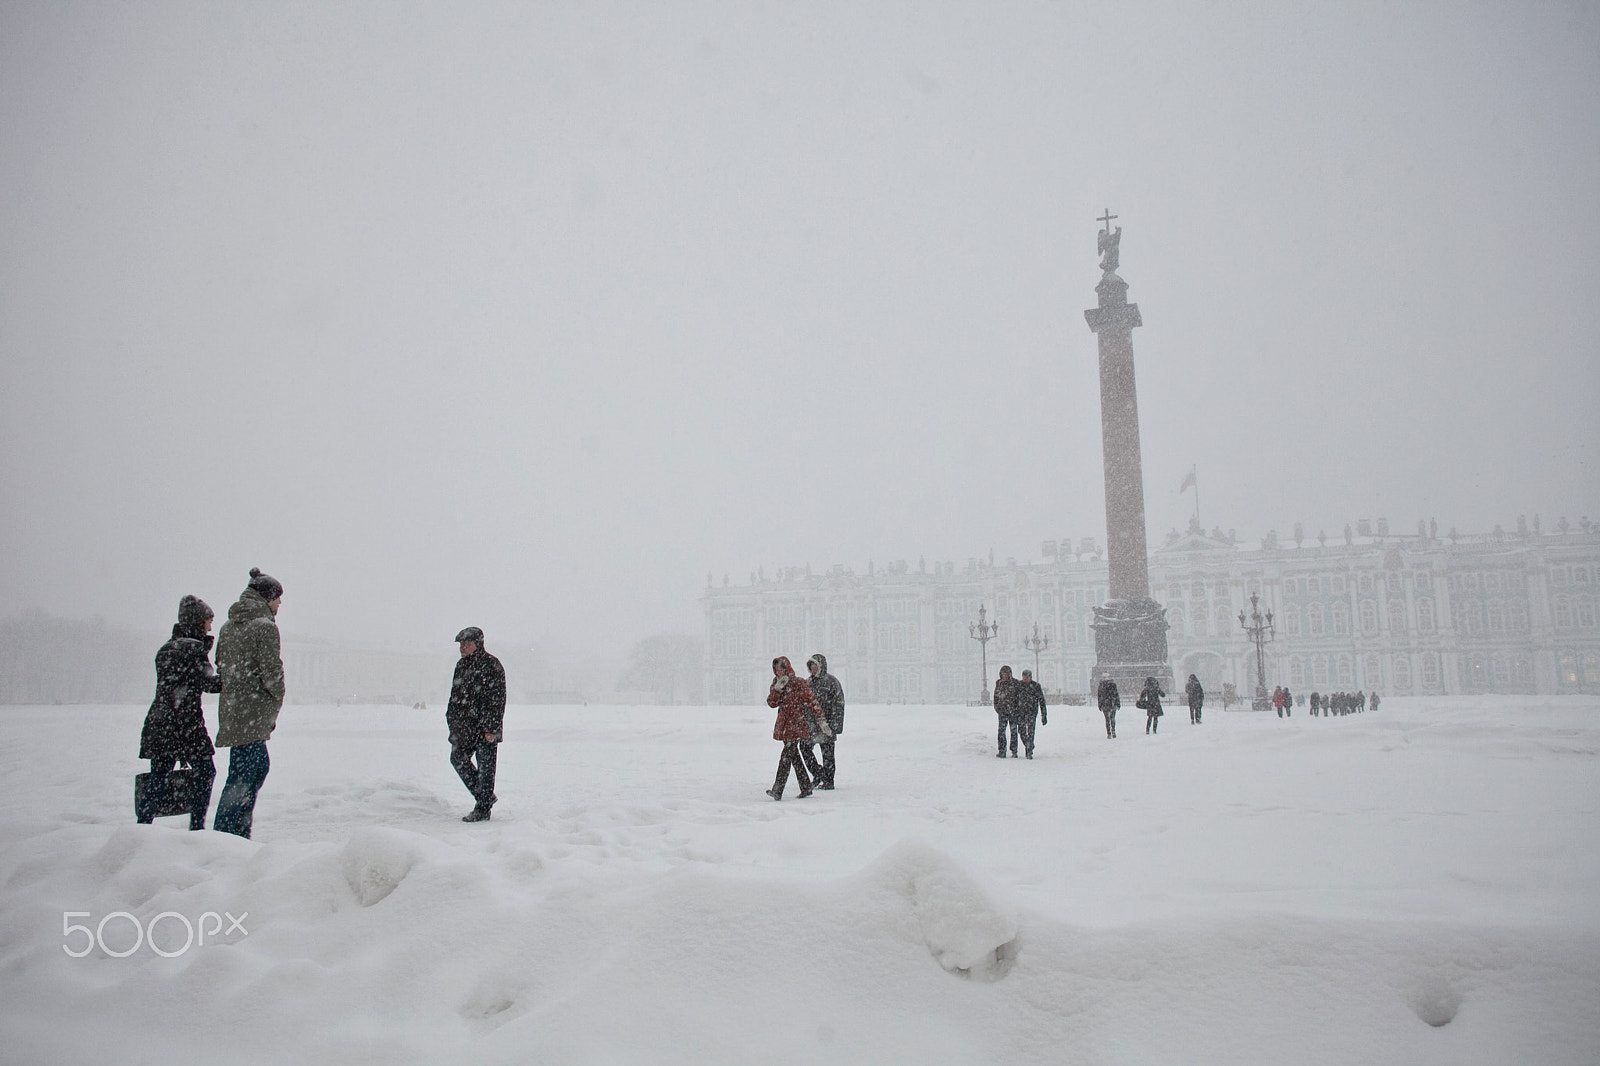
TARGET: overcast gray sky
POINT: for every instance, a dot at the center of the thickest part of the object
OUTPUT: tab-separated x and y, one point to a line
528	316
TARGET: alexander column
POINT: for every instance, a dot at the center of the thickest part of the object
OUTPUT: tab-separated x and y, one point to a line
1130	628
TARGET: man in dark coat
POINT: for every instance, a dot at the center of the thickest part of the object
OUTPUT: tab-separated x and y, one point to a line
476	715
251	665
175	726
1005	708
1109	700
830	697
1030	706
1196	696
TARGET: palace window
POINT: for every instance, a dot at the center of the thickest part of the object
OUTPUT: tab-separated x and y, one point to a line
1297	672
1366	584
1586	612
1430	670
1225	621
1319	671
1337	583
1200	622
1347	672
1397	616
1425	615
1424	582
1314	614
1291	587
1563	613
1369	617
1341	619
1175	619
1313	586
1502	671
1580	575
1394	588
1291	621
1374	672
1402	673
1497	617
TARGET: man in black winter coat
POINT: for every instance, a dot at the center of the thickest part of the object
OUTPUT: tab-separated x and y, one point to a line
830	697
1030	705
1110	700
476	715
1197	698
175	726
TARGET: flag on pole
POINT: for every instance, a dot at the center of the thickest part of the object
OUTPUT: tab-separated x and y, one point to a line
1188	482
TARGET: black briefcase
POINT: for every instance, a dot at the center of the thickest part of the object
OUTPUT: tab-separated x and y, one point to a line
179	798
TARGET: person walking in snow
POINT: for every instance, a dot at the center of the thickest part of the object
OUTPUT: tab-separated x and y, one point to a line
1150	700
1372	702
1109	700
476	717
175	726
1288	702
1277	700
1316	703
798	713
1005	709
830	697
250	660
1030	710
1196	695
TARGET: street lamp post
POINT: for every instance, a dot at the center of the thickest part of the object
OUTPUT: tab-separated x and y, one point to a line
1036	644
1259	630
983	633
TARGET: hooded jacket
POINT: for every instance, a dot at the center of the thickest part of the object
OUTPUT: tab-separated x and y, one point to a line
1195	693
175	726
1005	693
829	693
1107	696
251	665
1150	698
477	699
797	707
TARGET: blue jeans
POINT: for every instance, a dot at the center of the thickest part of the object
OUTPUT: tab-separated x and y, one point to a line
247	769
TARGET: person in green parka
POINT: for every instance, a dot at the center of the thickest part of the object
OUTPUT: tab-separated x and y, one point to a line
251	665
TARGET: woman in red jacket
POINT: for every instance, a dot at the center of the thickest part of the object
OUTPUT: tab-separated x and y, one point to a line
797	710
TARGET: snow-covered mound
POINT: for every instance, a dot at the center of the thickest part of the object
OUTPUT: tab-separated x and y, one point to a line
1415	885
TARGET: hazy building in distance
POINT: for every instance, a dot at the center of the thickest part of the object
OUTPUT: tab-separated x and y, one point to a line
1423	613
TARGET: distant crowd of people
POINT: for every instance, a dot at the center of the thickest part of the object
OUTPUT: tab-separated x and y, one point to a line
1339	703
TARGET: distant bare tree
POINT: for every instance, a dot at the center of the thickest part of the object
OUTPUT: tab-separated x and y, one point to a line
670	665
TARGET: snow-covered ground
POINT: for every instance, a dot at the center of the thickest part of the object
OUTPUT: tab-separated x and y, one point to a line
1416	885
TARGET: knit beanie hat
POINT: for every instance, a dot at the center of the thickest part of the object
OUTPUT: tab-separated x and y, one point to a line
193	611
267	585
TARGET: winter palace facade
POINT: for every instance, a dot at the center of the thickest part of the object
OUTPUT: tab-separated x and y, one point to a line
1511	612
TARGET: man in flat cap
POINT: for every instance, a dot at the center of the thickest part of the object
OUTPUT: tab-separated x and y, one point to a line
475	715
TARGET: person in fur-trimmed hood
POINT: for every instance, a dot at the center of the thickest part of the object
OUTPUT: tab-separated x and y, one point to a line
798	714
830	697
175	726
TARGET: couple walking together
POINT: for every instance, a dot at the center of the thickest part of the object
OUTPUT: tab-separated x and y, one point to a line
809	712
1018	704
249	676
